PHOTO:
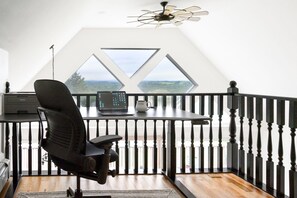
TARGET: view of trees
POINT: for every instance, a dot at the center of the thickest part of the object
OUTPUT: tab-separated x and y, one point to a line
77	84
165	86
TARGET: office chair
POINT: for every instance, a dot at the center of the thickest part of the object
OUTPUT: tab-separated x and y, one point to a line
65	139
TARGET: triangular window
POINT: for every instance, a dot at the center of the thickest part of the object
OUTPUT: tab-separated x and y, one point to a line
91	77
167	77
130	60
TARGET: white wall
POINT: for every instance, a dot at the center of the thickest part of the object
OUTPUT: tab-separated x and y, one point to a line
252	42
3	79
170	41
3	73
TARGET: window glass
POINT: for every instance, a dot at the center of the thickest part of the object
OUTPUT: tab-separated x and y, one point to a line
167	77
91	77
130	60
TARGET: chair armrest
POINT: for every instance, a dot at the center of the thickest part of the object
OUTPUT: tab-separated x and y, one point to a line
107	139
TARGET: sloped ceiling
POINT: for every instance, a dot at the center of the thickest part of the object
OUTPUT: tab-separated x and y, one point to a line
253	42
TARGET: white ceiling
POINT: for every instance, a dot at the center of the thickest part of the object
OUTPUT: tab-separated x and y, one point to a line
253	42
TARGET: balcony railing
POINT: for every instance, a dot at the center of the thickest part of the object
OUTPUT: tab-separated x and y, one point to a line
250	135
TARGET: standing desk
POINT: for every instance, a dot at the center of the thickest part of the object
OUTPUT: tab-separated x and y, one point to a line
168	114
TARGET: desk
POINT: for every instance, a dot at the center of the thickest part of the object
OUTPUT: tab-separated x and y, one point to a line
168	114
16	119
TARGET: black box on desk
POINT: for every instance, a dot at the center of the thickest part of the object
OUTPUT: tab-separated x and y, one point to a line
20	103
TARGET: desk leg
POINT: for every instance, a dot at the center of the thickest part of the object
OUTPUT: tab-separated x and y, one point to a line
171	161
15	155
7	145
171	150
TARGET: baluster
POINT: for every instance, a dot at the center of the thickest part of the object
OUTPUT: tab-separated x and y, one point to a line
292	171
192	150
241	153
135	100
183	150
164	101
20	149
210	147
259	159
49	165
164	145
220	146
280	182
106	127
145	148
183	102
126	148
192	103
30	150
40	128
192	147
97	128
88	129
155	151
250	155
269	162
201	148
232	146
136	148
7	144
117	145
87	101
174	101
155	99
78	101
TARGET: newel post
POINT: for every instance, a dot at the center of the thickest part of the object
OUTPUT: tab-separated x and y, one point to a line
232	146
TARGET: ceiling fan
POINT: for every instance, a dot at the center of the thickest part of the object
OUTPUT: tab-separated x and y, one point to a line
169	15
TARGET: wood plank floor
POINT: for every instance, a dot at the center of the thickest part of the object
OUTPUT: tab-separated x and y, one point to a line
224	185
221	185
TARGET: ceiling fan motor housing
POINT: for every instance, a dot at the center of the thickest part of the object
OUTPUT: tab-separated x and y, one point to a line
163	17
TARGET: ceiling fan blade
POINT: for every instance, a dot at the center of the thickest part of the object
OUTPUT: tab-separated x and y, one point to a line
142	24
146	11
192	8
140	20
178	23
194	19
132	21
183	16
147	19
200	13
169	9
179	12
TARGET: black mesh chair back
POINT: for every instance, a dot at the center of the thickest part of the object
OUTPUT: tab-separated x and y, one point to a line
65	139
56	96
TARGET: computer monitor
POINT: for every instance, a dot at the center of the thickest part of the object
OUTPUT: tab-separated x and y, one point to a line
112	101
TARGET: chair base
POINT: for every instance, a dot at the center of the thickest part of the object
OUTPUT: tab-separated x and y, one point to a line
78	194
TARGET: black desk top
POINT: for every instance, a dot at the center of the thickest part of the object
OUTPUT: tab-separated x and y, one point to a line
92	114
19	118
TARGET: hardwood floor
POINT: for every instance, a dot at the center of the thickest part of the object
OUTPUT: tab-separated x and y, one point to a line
225	185
221	185
120	182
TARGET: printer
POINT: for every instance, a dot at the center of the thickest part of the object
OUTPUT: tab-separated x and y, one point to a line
20	103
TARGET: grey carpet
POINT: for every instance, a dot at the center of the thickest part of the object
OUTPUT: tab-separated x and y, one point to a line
163	193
